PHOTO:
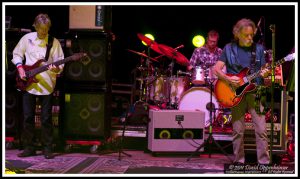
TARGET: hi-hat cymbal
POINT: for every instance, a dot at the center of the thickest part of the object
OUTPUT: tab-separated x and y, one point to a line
143	55
151	43
173	54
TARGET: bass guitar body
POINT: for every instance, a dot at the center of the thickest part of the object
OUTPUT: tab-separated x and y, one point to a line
23	84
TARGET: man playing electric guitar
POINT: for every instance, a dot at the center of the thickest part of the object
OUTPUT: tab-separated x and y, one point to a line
238	55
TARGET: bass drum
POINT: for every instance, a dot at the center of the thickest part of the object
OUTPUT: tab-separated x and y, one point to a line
198	98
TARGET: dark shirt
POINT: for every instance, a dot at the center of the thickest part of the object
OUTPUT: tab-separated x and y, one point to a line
237	58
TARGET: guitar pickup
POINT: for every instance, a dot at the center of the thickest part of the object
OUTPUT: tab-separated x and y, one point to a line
245	79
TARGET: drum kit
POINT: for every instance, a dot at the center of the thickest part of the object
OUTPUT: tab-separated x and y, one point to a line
161	89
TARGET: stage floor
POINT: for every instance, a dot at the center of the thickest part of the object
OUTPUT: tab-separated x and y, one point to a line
105	163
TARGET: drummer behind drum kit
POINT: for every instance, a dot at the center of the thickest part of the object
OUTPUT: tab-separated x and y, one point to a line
167	91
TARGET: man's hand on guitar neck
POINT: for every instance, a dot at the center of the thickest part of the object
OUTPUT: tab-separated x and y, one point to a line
53	68
265	72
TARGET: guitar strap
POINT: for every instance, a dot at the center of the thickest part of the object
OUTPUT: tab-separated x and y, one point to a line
261	92
261	98
253	57
49	46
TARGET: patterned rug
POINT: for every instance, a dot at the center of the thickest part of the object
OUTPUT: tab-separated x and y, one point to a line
139	163
108	165
94	165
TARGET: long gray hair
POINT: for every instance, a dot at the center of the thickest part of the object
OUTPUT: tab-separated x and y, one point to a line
241	24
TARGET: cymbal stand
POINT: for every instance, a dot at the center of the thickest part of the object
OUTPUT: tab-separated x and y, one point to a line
147	84
170	69
141	80
141	89
210	139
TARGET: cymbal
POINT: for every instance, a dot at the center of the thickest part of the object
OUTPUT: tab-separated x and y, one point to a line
173	54
143	55
151	43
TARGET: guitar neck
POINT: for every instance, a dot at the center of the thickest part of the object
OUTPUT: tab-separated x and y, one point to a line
256	74
40	69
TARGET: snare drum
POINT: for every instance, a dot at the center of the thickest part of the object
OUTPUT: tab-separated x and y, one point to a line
198	77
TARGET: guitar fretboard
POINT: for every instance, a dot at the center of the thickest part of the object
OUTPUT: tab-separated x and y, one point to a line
35	71
256	74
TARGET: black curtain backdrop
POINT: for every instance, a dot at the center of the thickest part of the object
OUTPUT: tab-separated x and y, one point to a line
171	25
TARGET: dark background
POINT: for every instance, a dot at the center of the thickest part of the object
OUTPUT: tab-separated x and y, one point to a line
171	25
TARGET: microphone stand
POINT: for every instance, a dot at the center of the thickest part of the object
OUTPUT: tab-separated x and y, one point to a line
123	135
210	139
272	28
262	33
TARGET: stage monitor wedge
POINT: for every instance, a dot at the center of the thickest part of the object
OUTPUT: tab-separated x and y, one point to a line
175	130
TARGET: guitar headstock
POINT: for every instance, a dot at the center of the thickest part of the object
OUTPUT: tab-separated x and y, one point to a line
83	57
289	57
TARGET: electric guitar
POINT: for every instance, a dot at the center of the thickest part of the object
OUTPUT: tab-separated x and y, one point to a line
229	96
36	68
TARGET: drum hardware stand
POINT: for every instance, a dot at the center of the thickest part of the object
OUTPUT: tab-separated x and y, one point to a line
141	89
210	139
171	67
120	149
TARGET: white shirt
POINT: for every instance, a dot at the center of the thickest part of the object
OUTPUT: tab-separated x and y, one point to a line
34	50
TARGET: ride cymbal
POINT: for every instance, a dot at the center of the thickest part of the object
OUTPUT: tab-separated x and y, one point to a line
151	43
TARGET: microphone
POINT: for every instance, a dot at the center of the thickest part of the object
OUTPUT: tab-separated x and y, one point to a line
258	25
25	30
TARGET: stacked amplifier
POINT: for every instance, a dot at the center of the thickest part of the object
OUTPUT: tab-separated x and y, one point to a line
280	121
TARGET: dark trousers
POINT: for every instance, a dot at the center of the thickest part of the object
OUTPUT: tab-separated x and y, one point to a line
29	108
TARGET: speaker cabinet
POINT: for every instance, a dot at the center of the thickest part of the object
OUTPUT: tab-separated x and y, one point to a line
85	115
280	122
95	68
12	37
13	113
175	130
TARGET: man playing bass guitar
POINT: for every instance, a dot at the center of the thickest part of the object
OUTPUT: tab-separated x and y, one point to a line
237	55
35	46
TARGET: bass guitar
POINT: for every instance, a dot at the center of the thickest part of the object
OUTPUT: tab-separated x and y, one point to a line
229	96
36	68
